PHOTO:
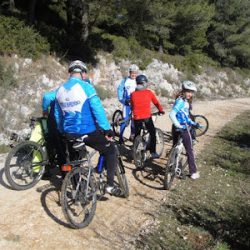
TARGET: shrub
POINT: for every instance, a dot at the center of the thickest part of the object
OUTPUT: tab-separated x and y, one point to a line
18	38
164	92
123	48
102	92
7	79
4	148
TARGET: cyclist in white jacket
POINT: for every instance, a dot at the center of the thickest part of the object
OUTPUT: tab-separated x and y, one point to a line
124	90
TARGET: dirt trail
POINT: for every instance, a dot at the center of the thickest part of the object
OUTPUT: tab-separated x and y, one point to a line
34	220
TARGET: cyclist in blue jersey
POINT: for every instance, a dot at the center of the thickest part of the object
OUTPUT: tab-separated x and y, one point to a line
80	112
124	90
54	145
180	116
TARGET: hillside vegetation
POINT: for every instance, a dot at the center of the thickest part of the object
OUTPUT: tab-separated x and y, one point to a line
185	33
203	41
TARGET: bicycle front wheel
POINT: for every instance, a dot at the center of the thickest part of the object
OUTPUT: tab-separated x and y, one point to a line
122	180
202	120
170	169
25	165
139	152
159	141
78	198
117	116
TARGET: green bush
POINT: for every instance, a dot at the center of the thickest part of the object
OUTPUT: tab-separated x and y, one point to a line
123	48
18	38
7	79
4	148
102	92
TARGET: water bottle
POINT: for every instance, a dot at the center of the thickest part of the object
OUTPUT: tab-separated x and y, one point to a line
100	164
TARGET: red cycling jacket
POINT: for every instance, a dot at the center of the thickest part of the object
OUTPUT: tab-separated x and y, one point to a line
141	103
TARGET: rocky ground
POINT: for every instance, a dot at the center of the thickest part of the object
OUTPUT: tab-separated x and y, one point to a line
33	78
33	219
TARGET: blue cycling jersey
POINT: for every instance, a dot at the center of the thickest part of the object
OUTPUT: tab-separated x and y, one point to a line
79	108
180	114
48	99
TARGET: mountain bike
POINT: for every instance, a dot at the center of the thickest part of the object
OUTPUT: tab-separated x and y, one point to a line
117	121
25	163
141	144
177	159
80	186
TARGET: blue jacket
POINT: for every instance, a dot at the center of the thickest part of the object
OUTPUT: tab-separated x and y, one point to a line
78	108
180	115
48	100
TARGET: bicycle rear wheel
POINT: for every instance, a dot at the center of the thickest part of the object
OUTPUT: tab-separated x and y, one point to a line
78	198
122	180
170	169
202	120
159	141
25	165
139	152
117	116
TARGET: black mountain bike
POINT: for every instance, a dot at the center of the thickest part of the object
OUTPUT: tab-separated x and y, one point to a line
141	145
80	187
177	159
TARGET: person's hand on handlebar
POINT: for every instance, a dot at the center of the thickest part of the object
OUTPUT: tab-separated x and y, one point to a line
197	125
109	134
161	112
127	102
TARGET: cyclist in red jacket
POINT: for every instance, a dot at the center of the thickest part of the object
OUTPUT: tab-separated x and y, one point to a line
141	100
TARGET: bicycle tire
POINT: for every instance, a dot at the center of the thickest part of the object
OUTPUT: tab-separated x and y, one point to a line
30	160
159	141
122	179
117	116
170	169
202	120
139	151
72	199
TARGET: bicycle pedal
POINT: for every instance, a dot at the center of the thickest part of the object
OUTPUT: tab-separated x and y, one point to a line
178	172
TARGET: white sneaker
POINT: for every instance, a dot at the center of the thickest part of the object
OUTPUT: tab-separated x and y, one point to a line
113	190
195	176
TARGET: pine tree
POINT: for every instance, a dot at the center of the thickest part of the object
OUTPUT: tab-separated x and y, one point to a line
229	36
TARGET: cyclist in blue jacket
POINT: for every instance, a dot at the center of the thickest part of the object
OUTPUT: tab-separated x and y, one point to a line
80	112
124	90
54	145
180	116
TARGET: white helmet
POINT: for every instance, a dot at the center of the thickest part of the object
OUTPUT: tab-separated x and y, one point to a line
189	85
133	68
77	66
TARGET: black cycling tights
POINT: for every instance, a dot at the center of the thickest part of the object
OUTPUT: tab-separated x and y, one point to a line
98	141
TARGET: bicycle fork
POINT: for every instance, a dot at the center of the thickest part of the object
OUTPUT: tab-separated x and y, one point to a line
178	167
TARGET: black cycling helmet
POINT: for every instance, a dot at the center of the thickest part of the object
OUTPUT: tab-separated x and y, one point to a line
77	67
141	79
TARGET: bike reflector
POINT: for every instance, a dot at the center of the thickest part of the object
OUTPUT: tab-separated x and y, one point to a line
66	168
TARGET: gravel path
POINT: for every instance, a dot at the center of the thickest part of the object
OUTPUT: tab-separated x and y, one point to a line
33	219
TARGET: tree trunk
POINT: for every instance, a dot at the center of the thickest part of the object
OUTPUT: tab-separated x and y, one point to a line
12	5
70	14
84	21
160	50
32	10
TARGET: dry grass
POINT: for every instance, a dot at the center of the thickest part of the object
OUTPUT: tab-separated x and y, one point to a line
212	212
